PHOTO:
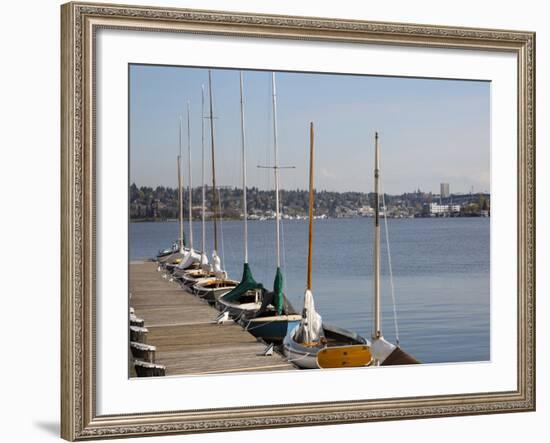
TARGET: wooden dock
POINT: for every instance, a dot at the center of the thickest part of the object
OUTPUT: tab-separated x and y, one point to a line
182	327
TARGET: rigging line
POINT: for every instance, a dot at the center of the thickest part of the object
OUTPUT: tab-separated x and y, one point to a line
283	264
392	289
222	256
241	315
190	181
214	190
268	242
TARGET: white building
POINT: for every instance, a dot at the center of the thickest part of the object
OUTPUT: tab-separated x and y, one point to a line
366	211
436	208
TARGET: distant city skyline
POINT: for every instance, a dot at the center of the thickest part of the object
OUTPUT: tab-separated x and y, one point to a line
431	131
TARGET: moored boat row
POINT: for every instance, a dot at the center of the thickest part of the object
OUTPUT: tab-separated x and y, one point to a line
305	339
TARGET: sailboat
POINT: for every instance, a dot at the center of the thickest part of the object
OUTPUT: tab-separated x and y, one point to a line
191	257
167	251
249	301
178	250
211	288
384	353
311	336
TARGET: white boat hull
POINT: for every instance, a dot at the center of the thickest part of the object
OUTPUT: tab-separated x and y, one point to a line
171	258
302	356
191	277
211	289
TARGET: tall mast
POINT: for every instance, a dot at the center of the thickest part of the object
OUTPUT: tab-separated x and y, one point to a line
180	238
180	193
311	201
190	204
203	243
243	143
377	333
214	192
276	170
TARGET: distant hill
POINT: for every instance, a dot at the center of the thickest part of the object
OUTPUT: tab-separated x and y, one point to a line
147	203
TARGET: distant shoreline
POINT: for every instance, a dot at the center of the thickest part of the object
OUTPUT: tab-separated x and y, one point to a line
151	220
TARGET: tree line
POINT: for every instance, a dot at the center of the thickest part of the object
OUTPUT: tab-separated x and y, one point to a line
160	203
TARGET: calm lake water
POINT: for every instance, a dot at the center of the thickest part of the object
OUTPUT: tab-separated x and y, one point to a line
440	273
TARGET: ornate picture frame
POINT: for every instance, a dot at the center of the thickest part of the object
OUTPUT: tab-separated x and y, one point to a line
80	22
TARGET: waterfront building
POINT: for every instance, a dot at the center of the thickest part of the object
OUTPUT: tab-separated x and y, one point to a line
366	211
438	209
444	190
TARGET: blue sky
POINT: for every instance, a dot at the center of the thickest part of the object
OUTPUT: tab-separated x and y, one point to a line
431	130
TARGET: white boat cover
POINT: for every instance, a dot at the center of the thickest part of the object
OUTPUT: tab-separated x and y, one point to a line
204	262
216	267
190	257
310	328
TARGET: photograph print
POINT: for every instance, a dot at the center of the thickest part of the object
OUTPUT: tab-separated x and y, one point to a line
284	221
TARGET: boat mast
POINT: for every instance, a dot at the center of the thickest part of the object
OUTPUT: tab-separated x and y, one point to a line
311	201
276	170
180	193
243	142
203	245
190	179
214	193
377	327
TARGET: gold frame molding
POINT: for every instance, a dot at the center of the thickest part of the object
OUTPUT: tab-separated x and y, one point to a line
79	22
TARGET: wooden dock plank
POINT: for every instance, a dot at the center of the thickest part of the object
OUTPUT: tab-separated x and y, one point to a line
184	331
